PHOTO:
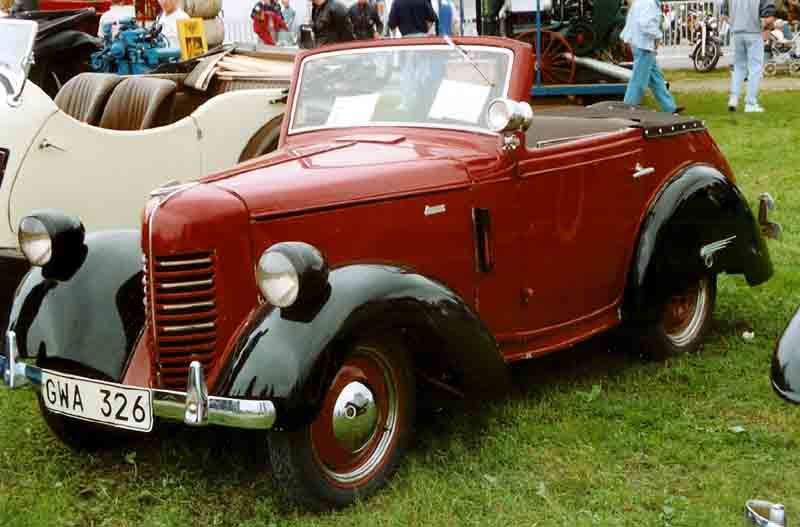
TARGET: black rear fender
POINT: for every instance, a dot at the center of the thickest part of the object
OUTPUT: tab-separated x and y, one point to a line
700	223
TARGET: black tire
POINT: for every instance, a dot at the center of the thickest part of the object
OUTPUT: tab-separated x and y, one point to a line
684	322
79	435
297	456
709	62
264	141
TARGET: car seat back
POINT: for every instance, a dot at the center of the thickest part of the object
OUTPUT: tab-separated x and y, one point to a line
139	103
84	96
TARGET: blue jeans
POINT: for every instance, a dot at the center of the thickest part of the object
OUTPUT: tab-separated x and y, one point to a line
748	61
647	73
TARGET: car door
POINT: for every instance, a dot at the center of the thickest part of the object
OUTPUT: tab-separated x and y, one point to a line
581	203
498	250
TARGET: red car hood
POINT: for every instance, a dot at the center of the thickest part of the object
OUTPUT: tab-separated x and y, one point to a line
347	170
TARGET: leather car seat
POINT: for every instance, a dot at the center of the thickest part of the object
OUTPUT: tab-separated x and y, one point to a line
139	103
84	96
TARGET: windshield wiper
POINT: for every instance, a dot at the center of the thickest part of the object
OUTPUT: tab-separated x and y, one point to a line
465	56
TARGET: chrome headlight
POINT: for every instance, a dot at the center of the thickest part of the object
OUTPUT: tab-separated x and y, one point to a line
277	279
291	273
54	241
35	241
505	115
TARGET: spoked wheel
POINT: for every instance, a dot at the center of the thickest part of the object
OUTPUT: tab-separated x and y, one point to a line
557	63
770	69
581	36
359	436
685	319
709	60
794	68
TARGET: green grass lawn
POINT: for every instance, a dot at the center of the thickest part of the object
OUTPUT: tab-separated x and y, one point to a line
692	75
587	437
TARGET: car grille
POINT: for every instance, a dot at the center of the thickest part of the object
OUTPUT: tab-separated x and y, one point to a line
183	312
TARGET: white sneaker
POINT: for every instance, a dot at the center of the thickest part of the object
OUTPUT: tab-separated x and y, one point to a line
753	108
733	102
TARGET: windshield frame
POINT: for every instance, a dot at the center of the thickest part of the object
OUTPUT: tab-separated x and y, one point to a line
14	76
291	130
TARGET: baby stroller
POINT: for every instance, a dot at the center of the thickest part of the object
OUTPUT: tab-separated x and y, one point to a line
781	52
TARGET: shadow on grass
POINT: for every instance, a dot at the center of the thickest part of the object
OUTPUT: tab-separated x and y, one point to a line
236	462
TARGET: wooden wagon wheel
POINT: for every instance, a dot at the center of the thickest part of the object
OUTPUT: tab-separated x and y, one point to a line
557	57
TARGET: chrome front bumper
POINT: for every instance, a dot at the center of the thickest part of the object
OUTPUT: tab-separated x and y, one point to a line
194	406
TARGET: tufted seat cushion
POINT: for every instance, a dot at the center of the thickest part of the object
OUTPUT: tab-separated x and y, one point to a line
84	96
139	103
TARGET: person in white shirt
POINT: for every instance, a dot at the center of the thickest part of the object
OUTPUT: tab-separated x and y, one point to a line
115	13
170	14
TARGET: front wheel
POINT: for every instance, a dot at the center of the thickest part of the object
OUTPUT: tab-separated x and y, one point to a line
358	438
684	320
709	60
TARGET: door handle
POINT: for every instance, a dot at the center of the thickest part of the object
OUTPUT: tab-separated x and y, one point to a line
45	144
640	171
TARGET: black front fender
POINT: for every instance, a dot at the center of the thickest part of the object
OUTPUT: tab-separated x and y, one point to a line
786	362
92	318
697	208
290	357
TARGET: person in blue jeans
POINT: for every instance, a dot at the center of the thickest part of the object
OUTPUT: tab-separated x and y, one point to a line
748	47
643	31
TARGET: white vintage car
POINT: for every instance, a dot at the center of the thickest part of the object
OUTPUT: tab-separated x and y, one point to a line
105	141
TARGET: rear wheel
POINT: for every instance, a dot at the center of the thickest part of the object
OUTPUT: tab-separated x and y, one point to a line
684	321
359	436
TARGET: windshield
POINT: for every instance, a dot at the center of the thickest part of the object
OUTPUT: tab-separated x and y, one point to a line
16	43
430	86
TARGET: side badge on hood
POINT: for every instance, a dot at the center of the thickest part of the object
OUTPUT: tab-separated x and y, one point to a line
430	210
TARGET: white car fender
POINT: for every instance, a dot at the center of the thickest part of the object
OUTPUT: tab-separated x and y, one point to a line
18	128
102	176
228	121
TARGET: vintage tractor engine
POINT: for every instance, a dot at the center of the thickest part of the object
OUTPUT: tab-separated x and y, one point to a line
133	50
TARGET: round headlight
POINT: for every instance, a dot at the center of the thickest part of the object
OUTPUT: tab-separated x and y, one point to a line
498	115
506	115
277	279
35	241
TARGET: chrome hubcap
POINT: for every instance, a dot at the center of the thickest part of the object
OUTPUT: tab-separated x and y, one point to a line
355	416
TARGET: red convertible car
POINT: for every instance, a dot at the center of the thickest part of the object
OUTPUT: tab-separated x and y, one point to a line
417	230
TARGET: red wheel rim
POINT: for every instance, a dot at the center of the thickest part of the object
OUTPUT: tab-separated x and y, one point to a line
557	57
340	465
684	313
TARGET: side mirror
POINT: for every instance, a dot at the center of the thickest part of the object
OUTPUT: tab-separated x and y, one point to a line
506	115
16	56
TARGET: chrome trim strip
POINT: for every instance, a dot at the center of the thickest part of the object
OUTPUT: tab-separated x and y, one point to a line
189	327
179	307
550	142
180	263
179	285
167	404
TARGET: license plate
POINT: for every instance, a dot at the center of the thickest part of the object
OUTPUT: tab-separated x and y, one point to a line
98	401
